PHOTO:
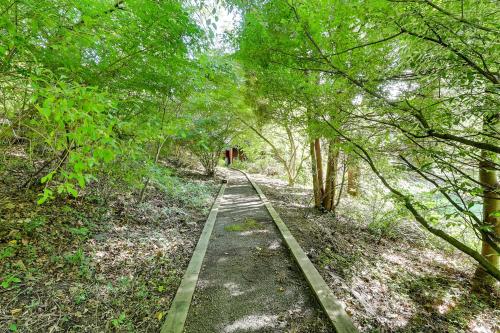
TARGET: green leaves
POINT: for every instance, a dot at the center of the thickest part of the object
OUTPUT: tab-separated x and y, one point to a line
119	321
8	281
87	79
13	327
406	83
46	195
67	188
48	177
76	124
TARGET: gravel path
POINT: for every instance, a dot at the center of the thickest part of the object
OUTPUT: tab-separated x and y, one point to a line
249	282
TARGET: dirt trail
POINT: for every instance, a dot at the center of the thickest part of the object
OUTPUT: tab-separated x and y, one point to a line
249	282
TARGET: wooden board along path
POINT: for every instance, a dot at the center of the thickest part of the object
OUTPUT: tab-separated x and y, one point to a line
333	308
249	280
174	323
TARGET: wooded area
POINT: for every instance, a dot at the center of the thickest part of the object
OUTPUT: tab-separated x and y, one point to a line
110	108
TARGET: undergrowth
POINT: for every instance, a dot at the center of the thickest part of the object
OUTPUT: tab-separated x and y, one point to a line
101	261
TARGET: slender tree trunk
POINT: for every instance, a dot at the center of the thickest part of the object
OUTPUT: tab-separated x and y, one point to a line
143	190
319	167
290	176
148	178
352	177
292	162
157	157
331	177
491	205
314	172
342	182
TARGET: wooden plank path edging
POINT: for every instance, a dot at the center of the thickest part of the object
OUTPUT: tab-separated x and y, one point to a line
177	314
332	307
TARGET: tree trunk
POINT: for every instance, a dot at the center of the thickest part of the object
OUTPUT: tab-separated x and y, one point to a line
292	162
290	176
352	177
331	177
314	172
157	157
319	167
491	206
148	179
342	181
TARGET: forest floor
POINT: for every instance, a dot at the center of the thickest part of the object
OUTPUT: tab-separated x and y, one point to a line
100	262
249	282
402	280
103	263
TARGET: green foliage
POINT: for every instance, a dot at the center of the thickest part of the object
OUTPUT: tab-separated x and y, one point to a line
13	327
207	139
76	258
179	191
89	81
339	262
386	225
9	280
7	252
31	225
76	124
211	112
81	297
382	214
324	258
79	231
406	86
119	321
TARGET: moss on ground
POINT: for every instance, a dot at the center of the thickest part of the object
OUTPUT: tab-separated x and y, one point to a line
248	225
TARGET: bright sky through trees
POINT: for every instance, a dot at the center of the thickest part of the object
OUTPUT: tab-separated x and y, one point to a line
217	20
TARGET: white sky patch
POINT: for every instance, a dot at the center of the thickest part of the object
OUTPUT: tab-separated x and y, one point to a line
217	21
91	55
357	100
395	90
